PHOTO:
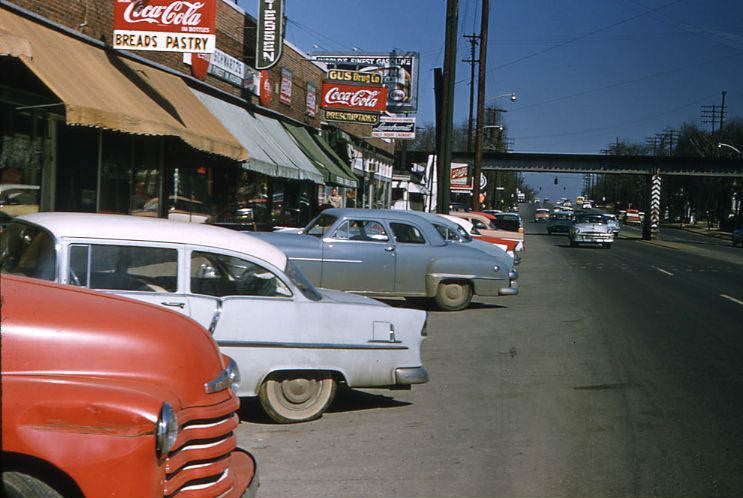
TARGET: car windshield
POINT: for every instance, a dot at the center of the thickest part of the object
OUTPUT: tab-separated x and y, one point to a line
320	225
27	250
595	218
302	282
560	216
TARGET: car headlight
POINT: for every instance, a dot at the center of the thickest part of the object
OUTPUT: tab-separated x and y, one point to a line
166	431
577	230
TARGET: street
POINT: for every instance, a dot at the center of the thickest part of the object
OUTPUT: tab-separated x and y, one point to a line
613	373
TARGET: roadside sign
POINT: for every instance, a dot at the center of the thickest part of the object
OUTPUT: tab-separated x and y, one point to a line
394	127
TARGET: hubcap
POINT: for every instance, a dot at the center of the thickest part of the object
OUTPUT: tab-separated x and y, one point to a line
299	391
453	292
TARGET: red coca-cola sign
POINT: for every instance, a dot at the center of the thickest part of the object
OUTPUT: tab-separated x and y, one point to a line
344	97
165	25
266	88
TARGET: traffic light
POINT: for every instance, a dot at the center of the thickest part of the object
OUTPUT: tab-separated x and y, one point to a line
555	180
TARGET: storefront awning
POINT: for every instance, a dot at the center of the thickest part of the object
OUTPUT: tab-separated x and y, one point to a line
333	173
342	164
276	133
265	157
99	88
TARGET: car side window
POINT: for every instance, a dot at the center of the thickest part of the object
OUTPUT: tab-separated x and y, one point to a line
407	234
446	233
220	275
361	230
125	268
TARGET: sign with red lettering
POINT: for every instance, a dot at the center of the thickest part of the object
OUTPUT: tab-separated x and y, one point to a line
343	97
266	89
165	25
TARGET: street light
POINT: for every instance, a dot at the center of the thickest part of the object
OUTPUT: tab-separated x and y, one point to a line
511	95
720	145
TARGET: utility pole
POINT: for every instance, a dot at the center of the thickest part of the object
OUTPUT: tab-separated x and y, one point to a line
473	39
709	115
480	104
447	105
722	109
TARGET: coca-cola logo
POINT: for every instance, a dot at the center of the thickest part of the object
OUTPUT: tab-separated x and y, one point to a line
359	98
176	13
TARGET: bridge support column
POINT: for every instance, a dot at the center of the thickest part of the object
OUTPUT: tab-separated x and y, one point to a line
651	223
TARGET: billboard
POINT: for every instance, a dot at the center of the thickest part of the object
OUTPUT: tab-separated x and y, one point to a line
394	127
165	25
399	72
360	98
270	38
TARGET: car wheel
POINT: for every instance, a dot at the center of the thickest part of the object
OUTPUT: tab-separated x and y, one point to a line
453	296
297	397
19	485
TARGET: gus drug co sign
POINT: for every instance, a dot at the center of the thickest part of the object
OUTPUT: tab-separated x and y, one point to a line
270	33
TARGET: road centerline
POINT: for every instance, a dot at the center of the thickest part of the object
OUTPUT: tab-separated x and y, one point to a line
663	271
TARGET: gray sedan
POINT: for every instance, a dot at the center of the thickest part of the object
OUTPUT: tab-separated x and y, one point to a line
395	253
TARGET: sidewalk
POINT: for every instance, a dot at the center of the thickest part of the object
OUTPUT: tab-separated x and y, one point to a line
700	229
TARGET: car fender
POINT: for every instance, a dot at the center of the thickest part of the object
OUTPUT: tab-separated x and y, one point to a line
466	269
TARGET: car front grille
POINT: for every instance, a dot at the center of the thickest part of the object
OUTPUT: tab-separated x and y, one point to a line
199	465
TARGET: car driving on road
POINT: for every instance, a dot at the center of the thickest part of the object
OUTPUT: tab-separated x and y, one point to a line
292	342
591	229
560	222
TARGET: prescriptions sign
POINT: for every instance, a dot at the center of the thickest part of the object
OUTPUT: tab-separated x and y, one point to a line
165	25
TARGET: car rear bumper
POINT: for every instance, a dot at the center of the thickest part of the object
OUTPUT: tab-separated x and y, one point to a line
410	375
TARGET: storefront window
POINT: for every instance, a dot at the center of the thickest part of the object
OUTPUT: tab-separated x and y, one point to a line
21	151
77	168
116	173
145	197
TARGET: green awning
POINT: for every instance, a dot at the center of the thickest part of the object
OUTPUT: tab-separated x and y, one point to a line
334	173
343	164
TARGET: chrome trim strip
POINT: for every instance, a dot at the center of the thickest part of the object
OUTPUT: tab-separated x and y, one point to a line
309	345
329	260
215	318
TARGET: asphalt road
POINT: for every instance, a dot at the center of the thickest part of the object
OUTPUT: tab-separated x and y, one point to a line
615	372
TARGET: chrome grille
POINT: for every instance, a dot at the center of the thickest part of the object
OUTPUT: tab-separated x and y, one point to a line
199	464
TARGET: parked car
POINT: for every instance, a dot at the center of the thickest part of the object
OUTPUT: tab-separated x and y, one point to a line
591	229
17	199
560	222
105	396
394	253
470	232
292	342
737	236
613	222
487	224
541	214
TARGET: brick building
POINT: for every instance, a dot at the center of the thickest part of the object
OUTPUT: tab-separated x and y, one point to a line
84	127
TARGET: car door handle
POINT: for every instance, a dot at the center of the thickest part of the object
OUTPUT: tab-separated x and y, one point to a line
389	248
174	304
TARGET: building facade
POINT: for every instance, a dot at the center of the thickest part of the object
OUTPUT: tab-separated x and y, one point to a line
84	127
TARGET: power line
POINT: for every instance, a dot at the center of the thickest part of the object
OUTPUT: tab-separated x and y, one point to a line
580	37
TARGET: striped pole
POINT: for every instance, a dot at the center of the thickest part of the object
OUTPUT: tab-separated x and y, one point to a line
655	203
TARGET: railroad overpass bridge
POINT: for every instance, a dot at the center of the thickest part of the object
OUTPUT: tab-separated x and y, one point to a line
653	168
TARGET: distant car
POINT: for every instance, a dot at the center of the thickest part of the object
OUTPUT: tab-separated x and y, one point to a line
591	228
560	222
587	205
487	224
394	253
541	214
293	343
613	223
737	237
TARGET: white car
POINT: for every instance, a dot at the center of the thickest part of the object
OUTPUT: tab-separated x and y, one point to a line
591	228
293	343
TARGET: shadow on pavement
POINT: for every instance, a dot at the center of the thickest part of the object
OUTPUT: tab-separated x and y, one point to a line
430	305
346	400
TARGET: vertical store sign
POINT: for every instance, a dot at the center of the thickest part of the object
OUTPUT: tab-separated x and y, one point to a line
285	95
165	25
270	33
266	88
311	100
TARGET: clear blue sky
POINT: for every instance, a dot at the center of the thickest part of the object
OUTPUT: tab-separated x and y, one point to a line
586	71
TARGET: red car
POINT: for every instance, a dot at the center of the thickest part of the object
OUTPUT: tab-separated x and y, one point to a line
107	397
